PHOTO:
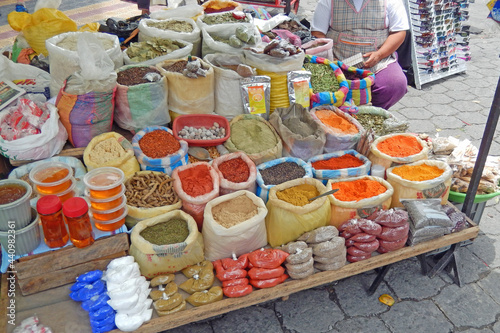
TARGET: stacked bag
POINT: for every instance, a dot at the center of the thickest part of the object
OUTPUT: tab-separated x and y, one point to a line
360	238
395	228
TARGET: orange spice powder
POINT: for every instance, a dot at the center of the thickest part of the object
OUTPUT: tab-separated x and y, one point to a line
400	146
418	172
357	190
337	123
196	181
340	162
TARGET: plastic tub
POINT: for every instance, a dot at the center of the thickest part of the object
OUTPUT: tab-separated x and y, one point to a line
110	214
18	211
112	224
197	121
105	182
51	177
27	238
64	195
108	203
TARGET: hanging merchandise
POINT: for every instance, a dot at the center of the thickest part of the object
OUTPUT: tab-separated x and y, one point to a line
141	98
360	82
256	95
156	50
236	172
228	70
341	164
319	47
298	87
395	149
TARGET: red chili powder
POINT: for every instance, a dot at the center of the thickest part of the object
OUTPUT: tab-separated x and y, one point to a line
158	144
235	170
335	163
357	190
400	146
196	181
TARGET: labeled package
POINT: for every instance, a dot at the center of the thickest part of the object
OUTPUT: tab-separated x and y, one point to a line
256	95
298	87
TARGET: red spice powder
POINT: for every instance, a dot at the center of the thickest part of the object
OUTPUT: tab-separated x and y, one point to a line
196	181
158	144
357	190
400	146
235	170
335	163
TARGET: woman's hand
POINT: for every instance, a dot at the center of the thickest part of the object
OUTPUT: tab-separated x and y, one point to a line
391	44
373	59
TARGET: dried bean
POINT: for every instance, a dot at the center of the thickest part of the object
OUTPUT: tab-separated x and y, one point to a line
135	75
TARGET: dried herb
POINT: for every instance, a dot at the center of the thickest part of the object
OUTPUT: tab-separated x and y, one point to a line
170	232
174	25
322	78
151	49
376	122
223	18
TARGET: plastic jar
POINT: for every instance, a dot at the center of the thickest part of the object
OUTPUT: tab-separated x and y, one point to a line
75	211
51	177
104	182
66	194
54	229
111	225
107	215
108	203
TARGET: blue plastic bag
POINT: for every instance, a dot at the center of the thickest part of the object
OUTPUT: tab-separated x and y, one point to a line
324	175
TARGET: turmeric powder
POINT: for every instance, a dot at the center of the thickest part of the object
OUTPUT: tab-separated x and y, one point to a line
337	123
400	146
357	190
298	195
418	173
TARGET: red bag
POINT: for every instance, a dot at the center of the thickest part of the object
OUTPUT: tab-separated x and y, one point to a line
267	258
268	283
231	274
241	262
265	273
235	282
237	291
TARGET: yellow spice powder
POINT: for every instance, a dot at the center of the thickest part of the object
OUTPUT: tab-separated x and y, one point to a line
298	195
418	173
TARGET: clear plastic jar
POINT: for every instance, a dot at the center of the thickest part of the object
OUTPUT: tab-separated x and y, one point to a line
54	229
76	212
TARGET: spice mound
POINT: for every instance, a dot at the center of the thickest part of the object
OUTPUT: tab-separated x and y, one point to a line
298	195
281	173
170	232
336	123
335	163
232	212
252	136
235	170
196	181
158	144
418	173
137	75
106	150
150	190
374	121
357	190
400	146
11	192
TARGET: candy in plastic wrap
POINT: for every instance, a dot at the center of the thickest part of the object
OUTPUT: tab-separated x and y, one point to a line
300	256
170	289
459	221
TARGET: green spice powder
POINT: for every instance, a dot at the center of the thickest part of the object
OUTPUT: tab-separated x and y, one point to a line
252	136
165	233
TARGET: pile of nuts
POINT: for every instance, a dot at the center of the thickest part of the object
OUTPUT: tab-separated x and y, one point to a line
203	133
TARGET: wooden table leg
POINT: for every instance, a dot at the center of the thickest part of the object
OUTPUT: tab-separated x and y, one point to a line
378	279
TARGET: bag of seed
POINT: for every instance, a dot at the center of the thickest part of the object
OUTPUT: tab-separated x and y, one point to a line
236	172
176	28
338	165
278	171
285	221
234	224
141	98
156	149
302	136
161	259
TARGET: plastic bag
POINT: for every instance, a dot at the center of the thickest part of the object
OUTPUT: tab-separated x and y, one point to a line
302	145
188	11
33	80
242	238
426	213
211	45
320	47
156	260
326	174
335	141
438	187
47	4
126	162
387	161
390	125
286	222
179	53
141	105
227	186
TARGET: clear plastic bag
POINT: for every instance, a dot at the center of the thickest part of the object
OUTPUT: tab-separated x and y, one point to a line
426	212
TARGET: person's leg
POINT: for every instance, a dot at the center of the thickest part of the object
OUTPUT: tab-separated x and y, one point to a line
143	5
390	86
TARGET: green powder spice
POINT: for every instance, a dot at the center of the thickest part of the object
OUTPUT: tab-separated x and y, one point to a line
165	233
252	136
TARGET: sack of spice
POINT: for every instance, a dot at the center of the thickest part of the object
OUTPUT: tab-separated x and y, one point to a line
395	149
420	180
234	224
358	197
188	95
302	136
157	149
320	47
254	136
288	217
236	172
343	132
382	121
227	39
174	254
176	28
141	98
111	150
156	50
228	72
196	184
342	164
278	171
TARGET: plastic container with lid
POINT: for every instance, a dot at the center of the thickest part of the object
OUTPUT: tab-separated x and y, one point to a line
75	211
51	177
104	182
108	203
107	215
54	229
27	238
18	210
64	195
113	224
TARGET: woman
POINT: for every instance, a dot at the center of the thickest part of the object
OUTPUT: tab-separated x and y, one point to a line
374	28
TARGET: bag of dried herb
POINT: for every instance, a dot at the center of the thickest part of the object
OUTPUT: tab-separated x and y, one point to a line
382	121
341	164
223	19
236	172
228	39
302	136
141	98
176	28
156	50
360	82
174	243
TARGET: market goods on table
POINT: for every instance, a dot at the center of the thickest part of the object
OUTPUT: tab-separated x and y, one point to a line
156	50
380	120
15	210
228	38
298	87
200	277
341	164
394	149
223	19
236	172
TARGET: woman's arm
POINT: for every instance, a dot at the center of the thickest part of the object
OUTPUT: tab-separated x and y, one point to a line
390	45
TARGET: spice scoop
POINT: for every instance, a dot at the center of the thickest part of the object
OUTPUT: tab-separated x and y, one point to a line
324	194
199	153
